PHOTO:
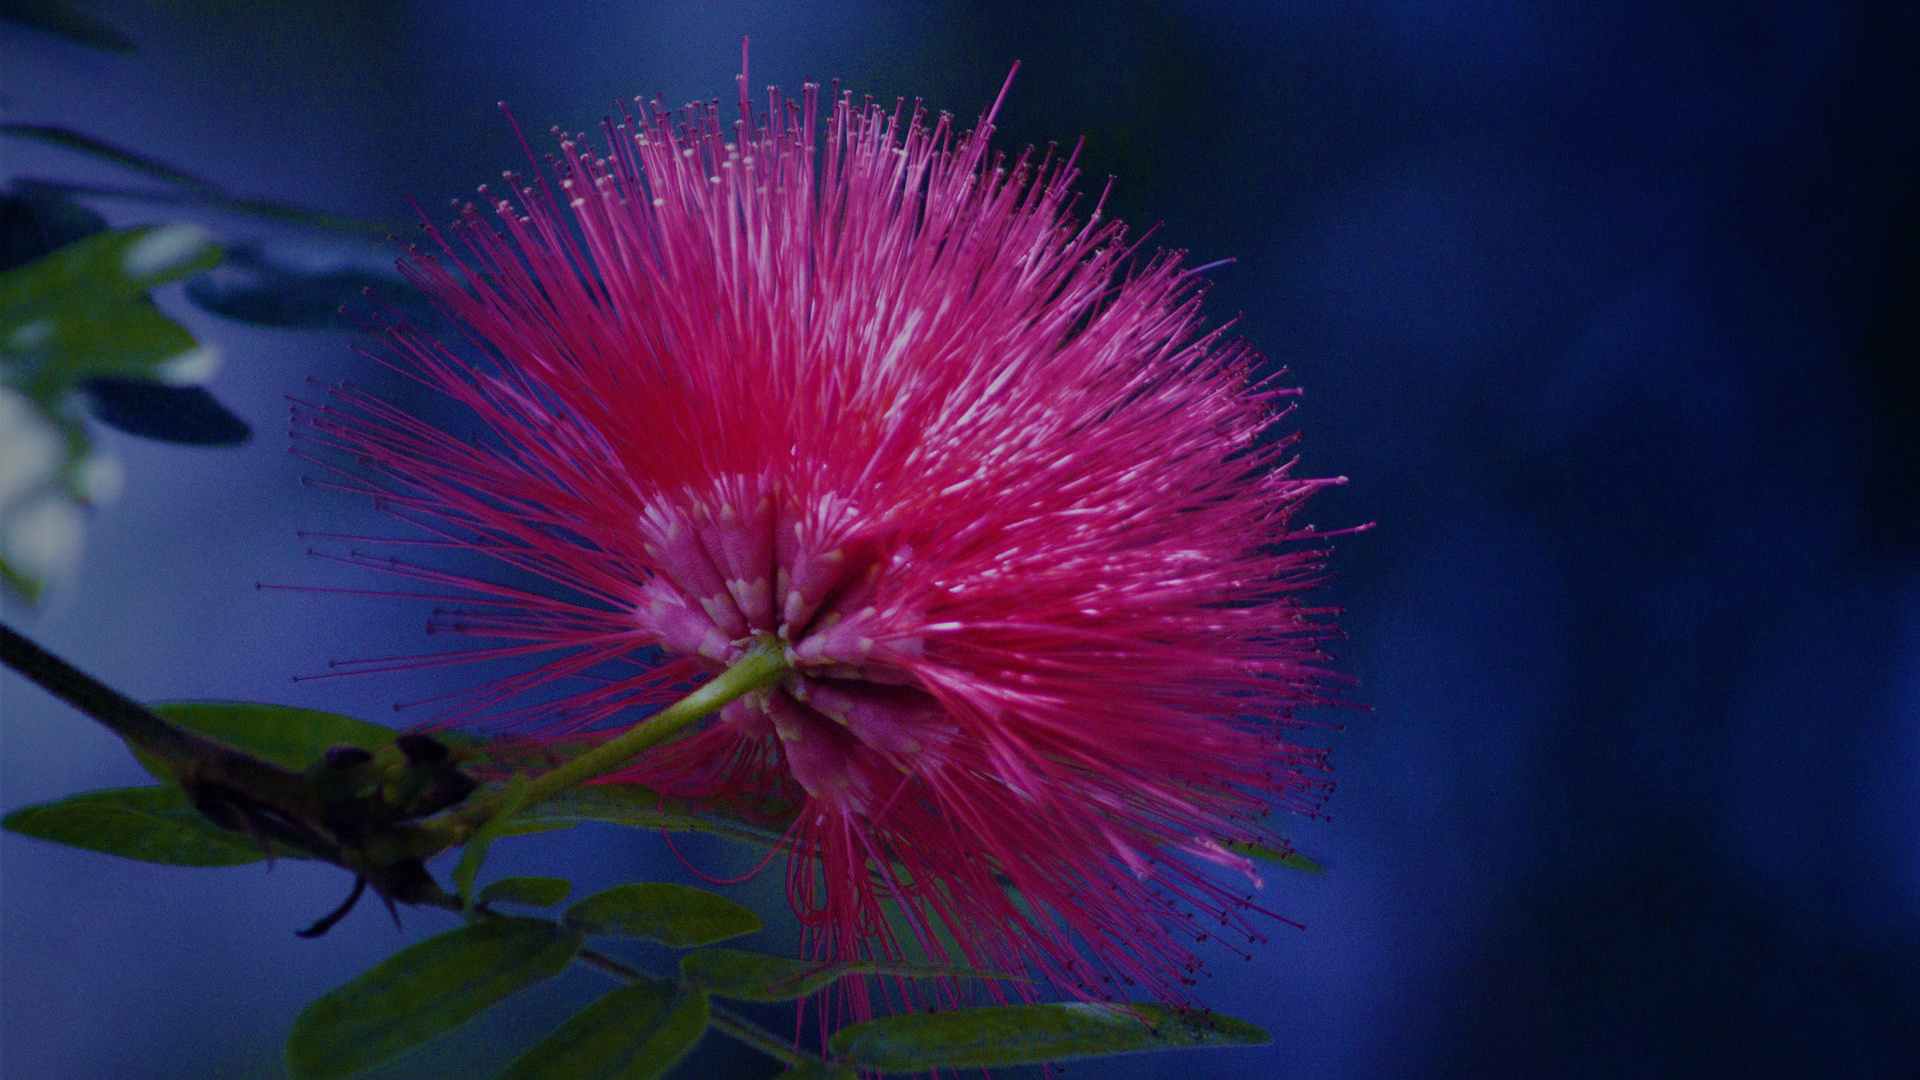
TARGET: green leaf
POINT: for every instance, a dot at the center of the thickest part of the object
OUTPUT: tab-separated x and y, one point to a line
422	991
641	807
532	891
116	264
187	187
35	220
64	20
261	208
820	1070
186	415
127	337
637	1032
1287	858
1026	1034
289	737
27	585
82	311
752	976
675	915
69	139
152	824
303	284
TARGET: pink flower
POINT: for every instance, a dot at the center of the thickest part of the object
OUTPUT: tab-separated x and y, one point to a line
1024	525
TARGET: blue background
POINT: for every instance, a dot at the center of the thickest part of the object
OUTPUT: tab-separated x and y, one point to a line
1608	309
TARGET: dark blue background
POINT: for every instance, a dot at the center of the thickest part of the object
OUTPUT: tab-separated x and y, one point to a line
1608	309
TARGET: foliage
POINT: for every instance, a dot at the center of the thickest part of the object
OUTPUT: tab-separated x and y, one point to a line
68	319
673	915
634	1032
62	19
422	991
78	326
151	824
1023	1034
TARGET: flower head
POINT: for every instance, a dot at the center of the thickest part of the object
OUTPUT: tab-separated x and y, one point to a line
1023	526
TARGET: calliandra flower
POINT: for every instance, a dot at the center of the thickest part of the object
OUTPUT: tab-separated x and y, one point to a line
1023	524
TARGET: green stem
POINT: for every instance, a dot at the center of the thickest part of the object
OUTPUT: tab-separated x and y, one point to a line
213	774
766	665
607	965
724	1020
121	715
759	669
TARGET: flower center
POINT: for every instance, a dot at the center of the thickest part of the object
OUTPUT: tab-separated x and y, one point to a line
744	560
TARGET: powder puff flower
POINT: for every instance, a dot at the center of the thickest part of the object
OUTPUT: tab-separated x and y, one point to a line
1023	527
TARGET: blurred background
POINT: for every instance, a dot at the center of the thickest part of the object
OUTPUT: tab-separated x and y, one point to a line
1611	311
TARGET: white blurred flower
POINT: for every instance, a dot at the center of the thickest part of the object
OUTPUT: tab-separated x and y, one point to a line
40	538
163	249
190	368
41	524
31	449
99	479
